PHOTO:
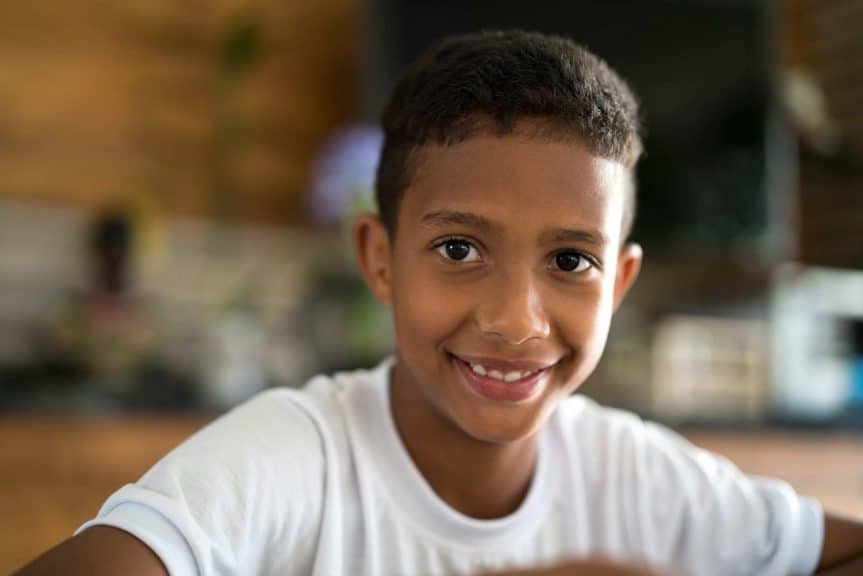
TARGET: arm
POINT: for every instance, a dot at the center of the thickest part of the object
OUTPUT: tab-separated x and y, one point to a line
97	551
842	554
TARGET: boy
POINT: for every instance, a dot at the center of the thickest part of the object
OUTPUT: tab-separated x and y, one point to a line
506	197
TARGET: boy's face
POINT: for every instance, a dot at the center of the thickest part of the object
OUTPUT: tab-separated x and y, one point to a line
502	277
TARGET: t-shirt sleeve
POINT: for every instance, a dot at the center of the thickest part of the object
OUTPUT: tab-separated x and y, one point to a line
699	513
217	503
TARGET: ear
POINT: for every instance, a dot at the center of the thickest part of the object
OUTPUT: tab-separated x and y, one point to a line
628	267
372	248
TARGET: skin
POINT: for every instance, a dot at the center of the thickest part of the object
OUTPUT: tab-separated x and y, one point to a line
510	303
505	198
97	551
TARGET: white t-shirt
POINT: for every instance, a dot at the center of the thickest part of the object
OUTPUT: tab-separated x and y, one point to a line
317	481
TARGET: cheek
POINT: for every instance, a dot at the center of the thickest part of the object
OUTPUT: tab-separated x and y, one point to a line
583	321
427	310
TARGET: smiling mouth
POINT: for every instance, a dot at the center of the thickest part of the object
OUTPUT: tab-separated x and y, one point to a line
511	384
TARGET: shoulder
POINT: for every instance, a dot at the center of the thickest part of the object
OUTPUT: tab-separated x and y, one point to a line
254	461
272	425
674	500
609	440
252	476
592	426
585	417
288	432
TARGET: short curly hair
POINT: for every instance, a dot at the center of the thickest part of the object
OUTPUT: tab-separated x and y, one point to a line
488	81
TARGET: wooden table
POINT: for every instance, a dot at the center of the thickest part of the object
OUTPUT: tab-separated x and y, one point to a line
55	471
827	466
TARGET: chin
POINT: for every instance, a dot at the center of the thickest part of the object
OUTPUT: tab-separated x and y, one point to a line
501	425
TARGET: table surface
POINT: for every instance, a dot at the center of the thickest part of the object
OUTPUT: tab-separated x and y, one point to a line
55	471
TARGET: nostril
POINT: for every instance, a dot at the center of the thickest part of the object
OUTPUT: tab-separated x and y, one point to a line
515	312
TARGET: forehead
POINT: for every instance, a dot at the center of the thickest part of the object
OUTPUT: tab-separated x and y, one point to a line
529	183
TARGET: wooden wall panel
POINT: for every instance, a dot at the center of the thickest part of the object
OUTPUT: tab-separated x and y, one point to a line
106	101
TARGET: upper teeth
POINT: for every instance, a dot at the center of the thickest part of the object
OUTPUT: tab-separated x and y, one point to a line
510	376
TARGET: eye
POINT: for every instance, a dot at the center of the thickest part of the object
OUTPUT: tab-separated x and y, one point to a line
458	250
571	262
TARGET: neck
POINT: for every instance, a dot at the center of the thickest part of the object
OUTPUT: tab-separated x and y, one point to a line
479	479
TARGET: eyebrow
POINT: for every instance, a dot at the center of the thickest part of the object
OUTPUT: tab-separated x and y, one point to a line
443	218
594	237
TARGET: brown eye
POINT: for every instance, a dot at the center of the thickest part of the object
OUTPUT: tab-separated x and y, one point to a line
458	251
571	262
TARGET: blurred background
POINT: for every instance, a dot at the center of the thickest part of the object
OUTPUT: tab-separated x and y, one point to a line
177	180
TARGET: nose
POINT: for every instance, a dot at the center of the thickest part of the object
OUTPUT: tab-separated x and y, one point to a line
513	310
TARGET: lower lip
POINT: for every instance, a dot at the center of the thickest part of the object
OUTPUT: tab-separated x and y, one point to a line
498	390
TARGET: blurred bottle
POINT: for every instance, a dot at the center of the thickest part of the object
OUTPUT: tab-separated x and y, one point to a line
104	332
855	397
235	363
